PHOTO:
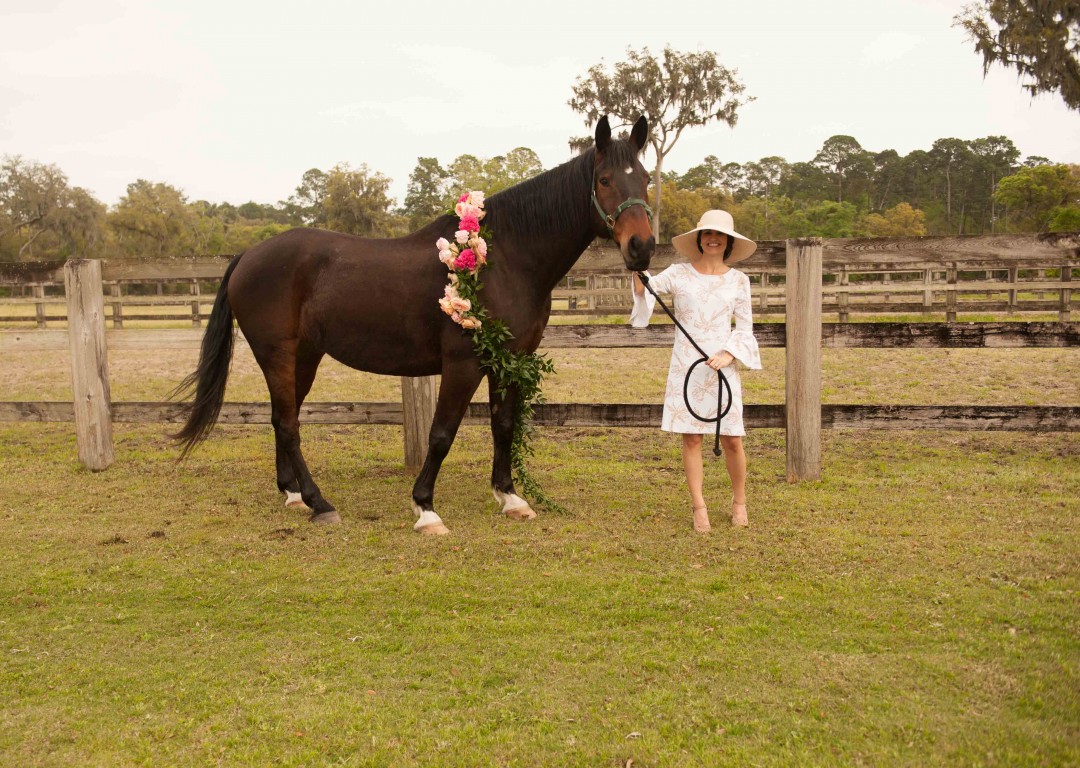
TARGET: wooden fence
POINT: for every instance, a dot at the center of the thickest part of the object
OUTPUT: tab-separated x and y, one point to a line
922	275
803	335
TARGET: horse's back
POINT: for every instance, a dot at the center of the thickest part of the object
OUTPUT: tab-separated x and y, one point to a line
369	303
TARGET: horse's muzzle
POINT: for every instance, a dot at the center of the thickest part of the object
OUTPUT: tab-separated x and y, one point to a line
638	253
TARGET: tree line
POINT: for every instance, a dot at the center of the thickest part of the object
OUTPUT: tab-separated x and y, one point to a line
955	187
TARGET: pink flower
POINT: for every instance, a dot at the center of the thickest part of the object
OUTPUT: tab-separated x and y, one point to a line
446	306
462	236
464	210
442	243
447	257
470	224
470	323
480	246
460	304
465	260
476	197
463	198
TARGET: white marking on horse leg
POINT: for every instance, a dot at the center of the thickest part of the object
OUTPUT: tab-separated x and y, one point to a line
428	523
513	506
294	500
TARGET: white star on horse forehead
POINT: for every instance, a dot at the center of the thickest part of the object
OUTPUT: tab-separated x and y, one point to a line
629	170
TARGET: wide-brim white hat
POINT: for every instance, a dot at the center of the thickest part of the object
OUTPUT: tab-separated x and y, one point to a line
718	221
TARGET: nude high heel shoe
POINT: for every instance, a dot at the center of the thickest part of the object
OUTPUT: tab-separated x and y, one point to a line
738	515
701	519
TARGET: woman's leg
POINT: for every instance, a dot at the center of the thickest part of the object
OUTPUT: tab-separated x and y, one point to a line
695	480
736	466
735	458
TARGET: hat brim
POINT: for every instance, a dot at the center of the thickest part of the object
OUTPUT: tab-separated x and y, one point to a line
686	245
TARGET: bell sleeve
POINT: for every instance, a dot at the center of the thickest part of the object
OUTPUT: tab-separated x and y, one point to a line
646	302
741	344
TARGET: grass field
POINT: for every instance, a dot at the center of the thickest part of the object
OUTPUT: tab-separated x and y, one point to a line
917	606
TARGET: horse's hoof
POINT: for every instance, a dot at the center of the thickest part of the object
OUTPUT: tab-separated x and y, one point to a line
326	517
294	500
521	513
435	529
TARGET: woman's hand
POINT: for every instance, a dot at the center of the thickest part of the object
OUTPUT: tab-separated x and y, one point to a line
721	360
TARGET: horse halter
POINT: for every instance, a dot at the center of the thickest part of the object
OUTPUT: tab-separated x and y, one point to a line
610	218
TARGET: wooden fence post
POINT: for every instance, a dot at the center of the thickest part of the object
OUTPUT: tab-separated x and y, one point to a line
89	362
418	410
39	308
1066	294
803	355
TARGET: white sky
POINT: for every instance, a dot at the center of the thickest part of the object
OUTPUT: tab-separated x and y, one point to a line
233	101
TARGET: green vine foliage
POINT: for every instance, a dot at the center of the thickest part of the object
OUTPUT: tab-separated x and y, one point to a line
522	371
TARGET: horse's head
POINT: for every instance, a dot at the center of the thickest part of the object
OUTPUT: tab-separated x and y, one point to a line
620	188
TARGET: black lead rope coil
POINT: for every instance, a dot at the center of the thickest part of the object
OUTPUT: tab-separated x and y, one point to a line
721	411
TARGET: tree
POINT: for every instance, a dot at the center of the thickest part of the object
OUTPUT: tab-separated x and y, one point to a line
305	205
425	197
1038	38
839	155
357	201
40	215
952	158
1042	197
899	221
679	91
154	221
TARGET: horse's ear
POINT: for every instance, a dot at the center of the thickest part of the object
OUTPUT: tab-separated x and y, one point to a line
640	135
603	134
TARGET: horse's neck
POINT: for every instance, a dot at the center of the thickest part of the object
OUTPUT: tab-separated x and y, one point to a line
544	264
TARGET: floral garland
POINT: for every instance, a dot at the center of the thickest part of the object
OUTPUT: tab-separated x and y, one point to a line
465	258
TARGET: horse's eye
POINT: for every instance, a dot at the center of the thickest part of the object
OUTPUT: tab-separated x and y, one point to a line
605	181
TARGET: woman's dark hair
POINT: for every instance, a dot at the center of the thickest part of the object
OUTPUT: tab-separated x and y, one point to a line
727	249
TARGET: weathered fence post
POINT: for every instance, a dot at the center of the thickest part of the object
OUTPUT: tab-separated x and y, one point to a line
418	410
39	307
803	355
196	317
1066	294
89	362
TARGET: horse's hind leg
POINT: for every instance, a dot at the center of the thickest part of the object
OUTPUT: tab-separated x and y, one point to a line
288	483
459	381
280	367
502	433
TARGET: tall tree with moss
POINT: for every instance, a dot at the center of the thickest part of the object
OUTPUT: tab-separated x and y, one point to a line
1040	39
675	91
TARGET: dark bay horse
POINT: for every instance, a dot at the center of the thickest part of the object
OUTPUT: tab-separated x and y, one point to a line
373	305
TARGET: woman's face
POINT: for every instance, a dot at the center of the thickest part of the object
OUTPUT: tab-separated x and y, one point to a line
713	242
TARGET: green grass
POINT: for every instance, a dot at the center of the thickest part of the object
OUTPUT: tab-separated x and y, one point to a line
917	606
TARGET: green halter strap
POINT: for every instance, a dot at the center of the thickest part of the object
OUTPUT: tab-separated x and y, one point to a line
610	218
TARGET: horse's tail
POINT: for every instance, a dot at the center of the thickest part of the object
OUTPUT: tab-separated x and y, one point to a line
208	379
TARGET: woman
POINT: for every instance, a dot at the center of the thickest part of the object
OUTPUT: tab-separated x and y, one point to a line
707	293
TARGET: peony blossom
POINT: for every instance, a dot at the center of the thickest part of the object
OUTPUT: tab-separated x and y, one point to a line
460	304
465	260
464	211
470	224
476	197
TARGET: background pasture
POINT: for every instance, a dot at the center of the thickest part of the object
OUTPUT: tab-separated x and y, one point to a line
915	606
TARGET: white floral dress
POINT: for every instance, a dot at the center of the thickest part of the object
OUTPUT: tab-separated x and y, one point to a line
705	305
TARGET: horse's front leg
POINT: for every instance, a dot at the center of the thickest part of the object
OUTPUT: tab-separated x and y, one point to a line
459	382
502	433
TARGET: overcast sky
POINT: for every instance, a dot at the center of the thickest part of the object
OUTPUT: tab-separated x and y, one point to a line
233	101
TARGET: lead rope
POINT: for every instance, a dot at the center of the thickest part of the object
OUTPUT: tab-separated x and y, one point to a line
721	412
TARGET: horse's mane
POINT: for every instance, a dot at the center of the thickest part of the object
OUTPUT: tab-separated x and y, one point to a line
555	200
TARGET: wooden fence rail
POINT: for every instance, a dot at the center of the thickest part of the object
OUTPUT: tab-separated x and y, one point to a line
915	275
803	336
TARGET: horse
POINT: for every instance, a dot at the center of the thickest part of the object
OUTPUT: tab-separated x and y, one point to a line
372	304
